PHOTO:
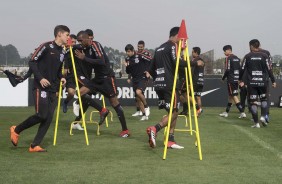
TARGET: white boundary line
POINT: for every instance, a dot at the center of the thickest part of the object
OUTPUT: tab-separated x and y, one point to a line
255	138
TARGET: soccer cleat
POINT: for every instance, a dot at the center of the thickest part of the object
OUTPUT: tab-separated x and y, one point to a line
137	113
36	149
147	111
124	133
75	108
152	133
76	126
242	115
144	118
65	107
256	125
14	136
224	114
173	145
199	112
263	121
103	114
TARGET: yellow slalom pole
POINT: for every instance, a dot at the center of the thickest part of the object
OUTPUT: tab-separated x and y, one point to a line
172	99
79	97
58	113
194	104
188	100
58	108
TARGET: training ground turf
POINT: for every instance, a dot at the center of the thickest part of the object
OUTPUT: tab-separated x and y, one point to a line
233	152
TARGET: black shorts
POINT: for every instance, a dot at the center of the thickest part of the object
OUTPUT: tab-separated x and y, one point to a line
232	89
198	89
45	103
70	82
106	86
82	81
182	86
165	99
255	93
141	84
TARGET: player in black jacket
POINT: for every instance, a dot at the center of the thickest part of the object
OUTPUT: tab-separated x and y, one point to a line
84	62
46	65
147	54
104	80
162	69
232	69
136	65
258	70
198	66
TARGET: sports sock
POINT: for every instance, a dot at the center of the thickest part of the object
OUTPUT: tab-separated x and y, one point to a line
185	106
158	127
239	107
254	111
92	102
264	108
171	137
228	107
121	117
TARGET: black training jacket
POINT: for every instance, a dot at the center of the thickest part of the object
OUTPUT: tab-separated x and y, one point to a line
232	69
46	62
162	67
257	68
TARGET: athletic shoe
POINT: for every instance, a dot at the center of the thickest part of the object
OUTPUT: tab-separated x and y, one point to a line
137	113
37	149
147	111
103	114
75	108
199	111
263	121
14	136
124	133
242	115
152	133
173	145
266	118
76	126
256	125
65	106
224	114
185	113
144	118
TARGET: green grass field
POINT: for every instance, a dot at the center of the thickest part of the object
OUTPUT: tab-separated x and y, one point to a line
232	151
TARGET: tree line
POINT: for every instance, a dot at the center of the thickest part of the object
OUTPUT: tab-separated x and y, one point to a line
10	56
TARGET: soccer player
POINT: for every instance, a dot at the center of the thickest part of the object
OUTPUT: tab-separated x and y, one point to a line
147	54
267	83
198	65
136	65
46	65
162	69
85	63
68	71
104	80
232	69
258	70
